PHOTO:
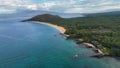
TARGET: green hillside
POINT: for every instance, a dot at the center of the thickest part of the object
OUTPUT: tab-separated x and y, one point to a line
101	30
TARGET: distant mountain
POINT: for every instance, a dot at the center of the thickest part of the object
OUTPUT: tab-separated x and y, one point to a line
31	13
56	16
40	12
113	13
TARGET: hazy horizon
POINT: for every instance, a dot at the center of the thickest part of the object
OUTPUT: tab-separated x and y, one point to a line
62	6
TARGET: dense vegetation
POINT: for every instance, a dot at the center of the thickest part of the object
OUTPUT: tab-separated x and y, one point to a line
101	30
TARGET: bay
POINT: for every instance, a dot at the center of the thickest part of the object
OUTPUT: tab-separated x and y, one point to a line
32	45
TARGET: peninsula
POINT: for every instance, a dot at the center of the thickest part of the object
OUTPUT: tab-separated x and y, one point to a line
101	30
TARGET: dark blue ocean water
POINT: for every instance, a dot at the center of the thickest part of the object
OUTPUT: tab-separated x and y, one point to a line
31	45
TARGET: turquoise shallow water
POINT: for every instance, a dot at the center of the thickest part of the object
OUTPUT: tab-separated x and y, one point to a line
31	45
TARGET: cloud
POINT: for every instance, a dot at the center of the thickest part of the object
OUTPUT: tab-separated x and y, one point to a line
47	5
66	6
94	6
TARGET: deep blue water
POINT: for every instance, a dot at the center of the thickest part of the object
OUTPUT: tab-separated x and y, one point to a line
31	45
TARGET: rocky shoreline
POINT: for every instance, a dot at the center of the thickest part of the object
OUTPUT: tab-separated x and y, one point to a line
62	30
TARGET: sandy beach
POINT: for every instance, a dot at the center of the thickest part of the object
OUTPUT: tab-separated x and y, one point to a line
61	29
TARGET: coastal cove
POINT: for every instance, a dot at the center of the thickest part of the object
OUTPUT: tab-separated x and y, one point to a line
33	45
59	33
104	35
62	32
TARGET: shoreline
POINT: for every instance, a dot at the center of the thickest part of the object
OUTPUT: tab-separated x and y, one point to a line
63	30
94	48
60	28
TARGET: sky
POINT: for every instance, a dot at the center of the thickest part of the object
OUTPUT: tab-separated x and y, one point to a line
63	6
